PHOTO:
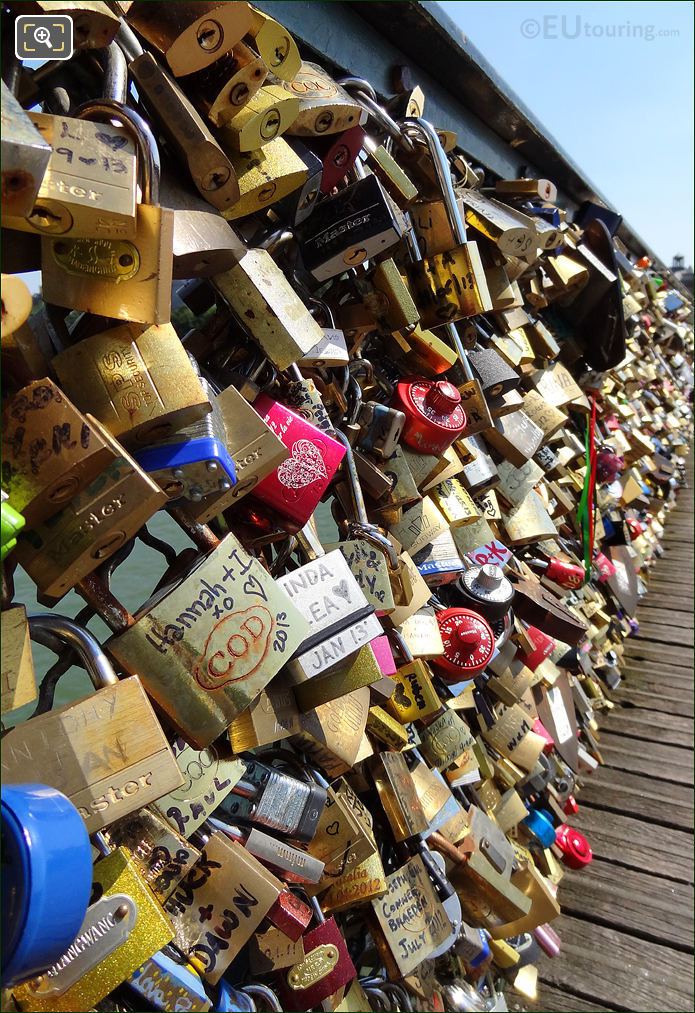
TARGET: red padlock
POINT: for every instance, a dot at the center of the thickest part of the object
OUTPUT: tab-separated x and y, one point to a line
539	728
567	575
574	846
469	644
290	914
434	417
571	806
326	966
338	154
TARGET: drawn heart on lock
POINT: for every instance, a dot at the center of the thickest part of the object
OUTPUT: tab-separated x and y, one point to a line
342	590
303	467
333	828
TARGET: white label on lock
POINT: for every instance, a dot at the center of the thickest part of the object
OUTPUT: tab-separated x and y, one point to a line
492	552
557	708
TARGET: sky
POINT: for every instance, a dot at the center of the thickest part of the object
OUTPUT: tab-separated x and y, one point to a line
620	102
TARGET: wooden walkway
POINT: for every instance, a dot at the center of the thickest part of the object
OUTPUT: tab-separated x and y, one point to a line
627	920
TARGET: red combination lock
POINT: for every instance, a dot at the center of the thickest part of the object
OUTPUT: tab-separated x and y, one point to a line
434	417
469	644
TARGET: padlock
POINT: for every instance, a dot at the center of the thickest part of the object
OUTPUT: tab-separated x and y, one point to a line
267	114
25	158
486	591
264	302
194	462
137	381
295	488
434	414
235	891
191	36
116	764
161	854
292	864
60	551
223	88
275	45
254	448
366	225
567	575
210	168
209	645
326	966
265	795
51	452
166	983
42	913
338	153
16	306
123	926
451	285
89	186
575	849
119	278
469	644
380	429
324	106
397	794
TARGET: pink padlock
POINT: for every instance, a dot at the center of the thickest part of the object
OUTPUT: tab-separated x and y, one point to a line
539	728
294	489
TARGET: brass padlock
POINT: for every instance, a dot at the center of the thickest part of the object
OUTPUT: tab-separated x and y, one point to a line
119	278
88	188
268	175
265	303
195	147
92	526
191	35
266	115
137	381
275	45
209	645
50	450
324	107
106	752
17	680
222	89
234	890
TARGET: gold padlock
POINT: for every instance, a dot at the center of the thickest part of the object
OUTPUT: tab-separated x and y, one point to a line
17	680
275	45
191	35
106	752
119	278
324	107
94	524
50	450
89	187
265	176
268	114
137	381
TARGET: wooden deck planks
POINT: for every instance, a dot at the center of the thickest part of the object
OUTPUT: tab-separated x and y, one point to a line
627	922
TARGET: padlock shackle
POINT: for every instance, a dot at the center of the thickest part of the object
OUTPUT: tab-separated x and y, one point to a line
128	41
425	130
149	165
44	629
263	992
115	68
367	97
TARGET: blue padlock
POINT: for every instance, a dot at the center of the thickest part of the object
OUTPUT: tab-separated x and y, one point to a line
46	878
166	984
539	825
193	462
